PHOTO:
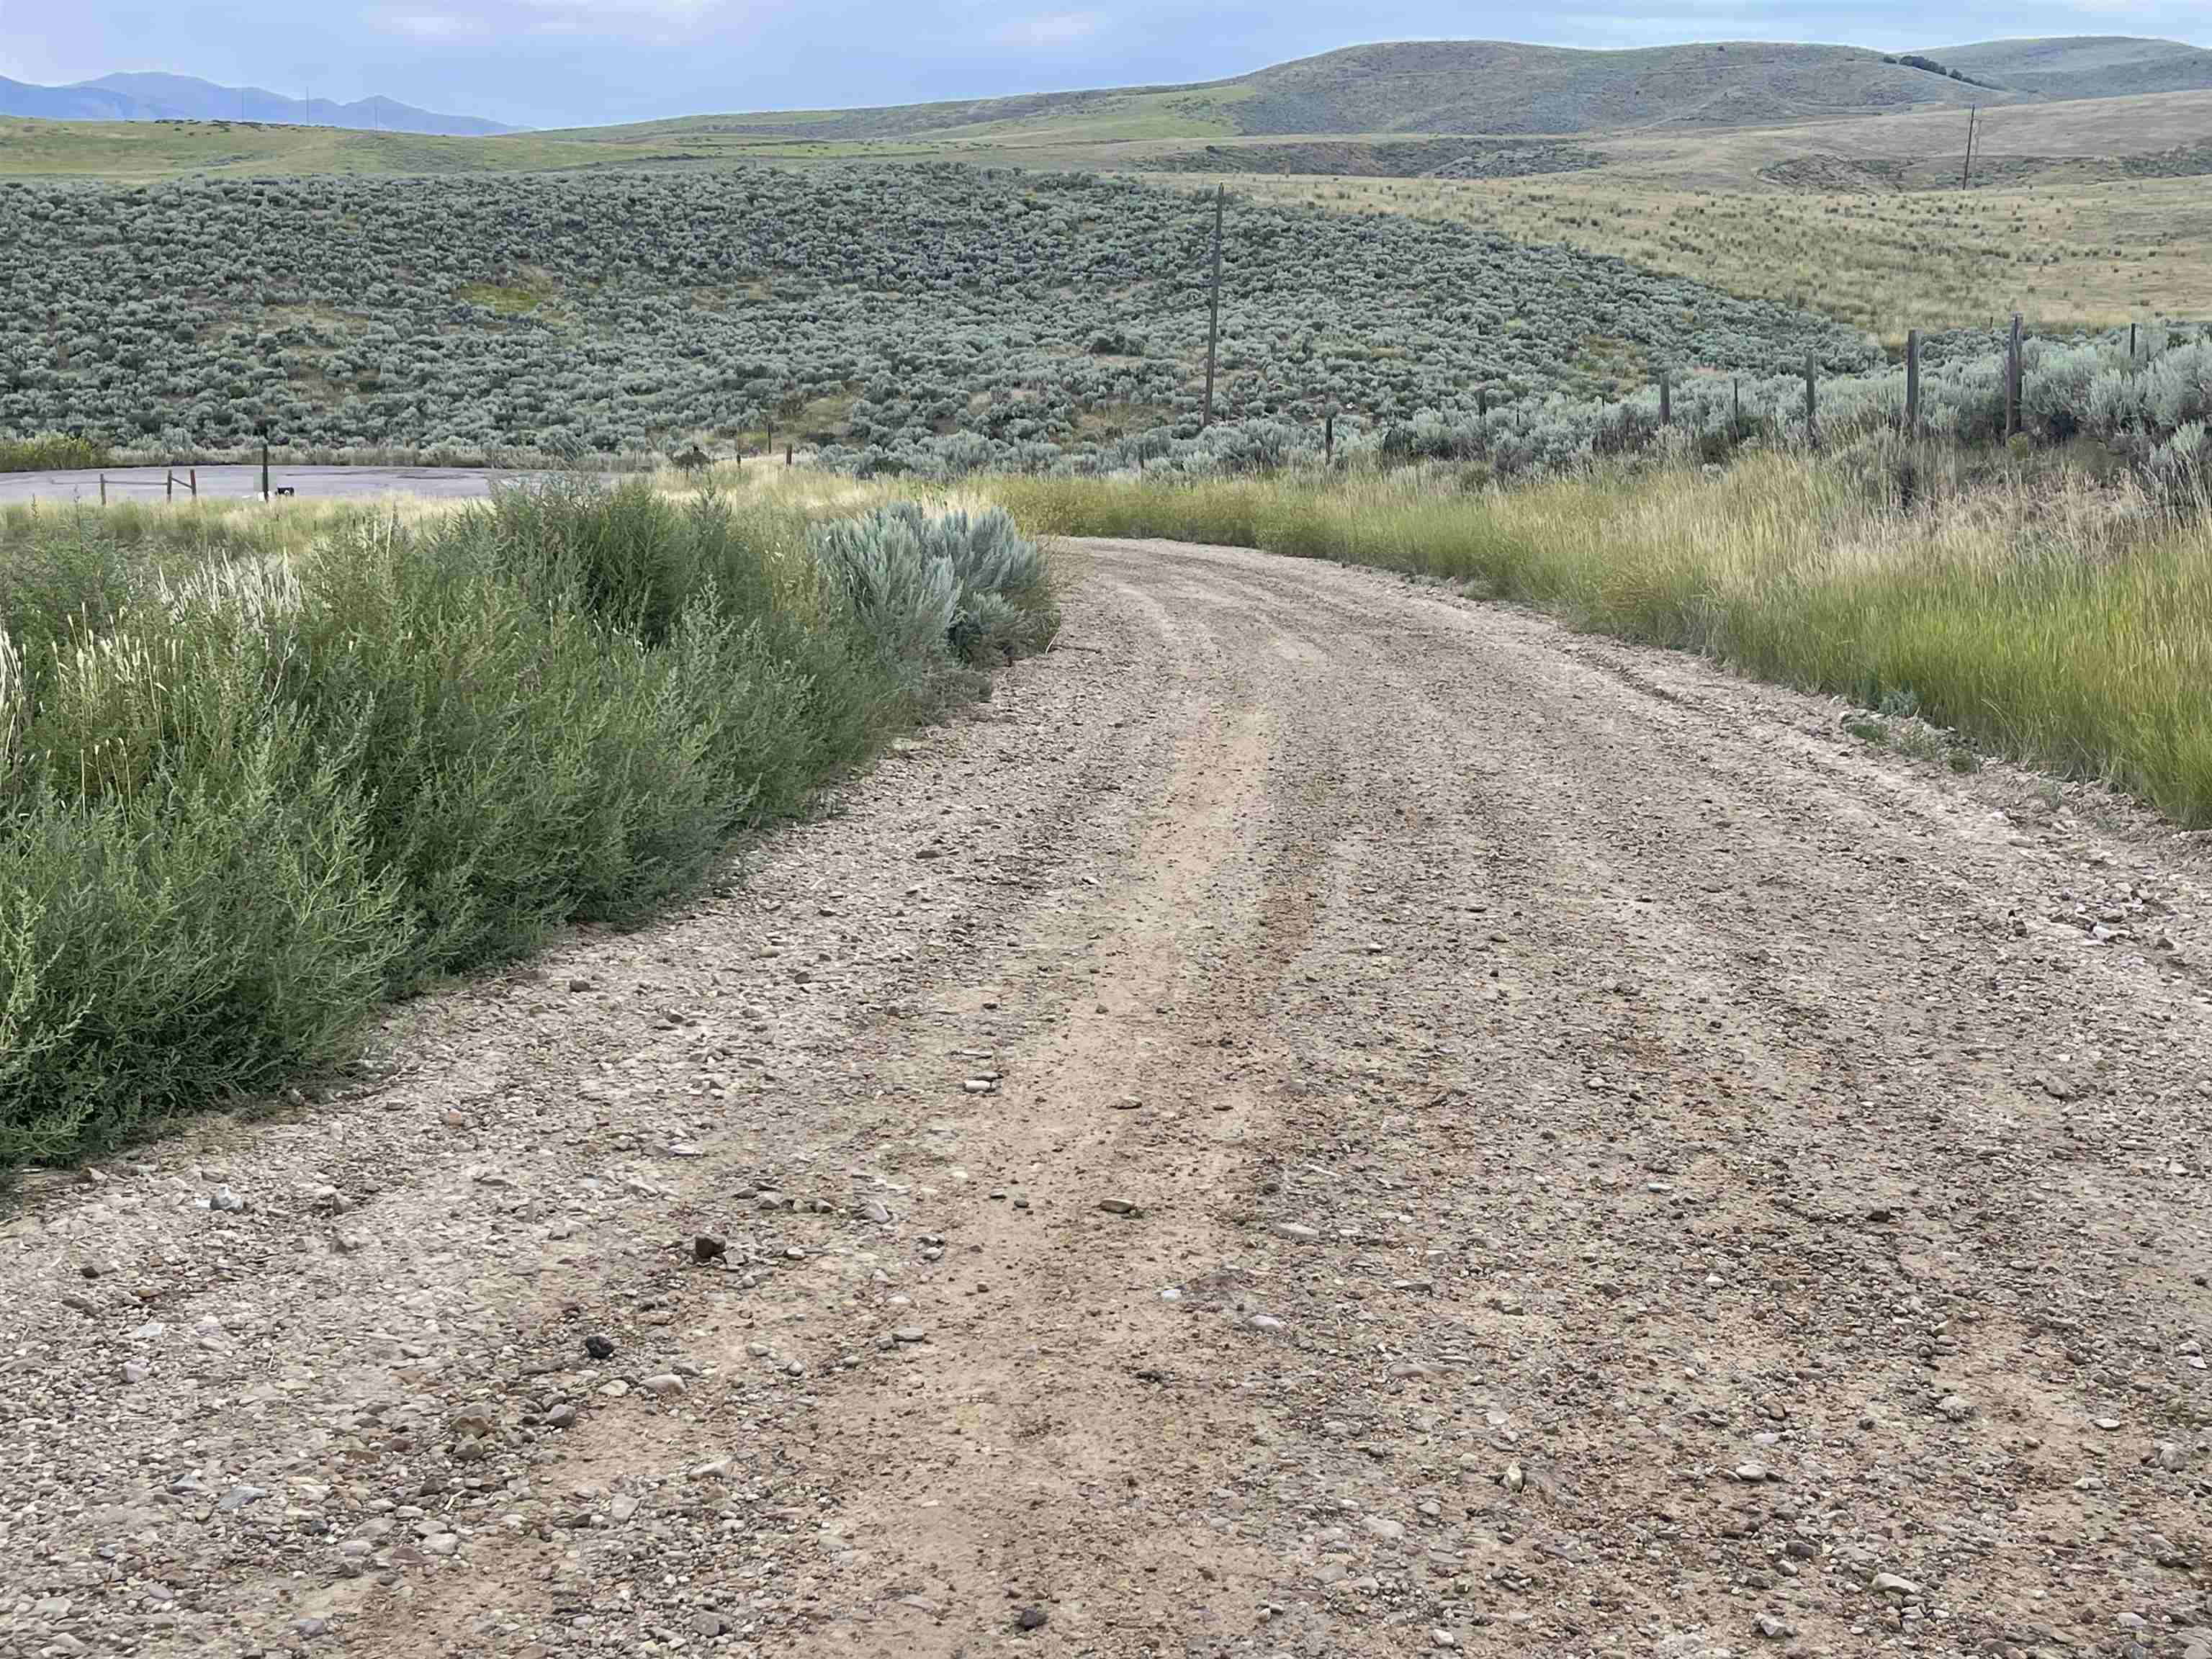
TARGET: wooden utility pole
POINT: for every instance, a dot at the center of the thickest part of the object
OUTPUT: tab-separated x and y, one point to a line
1811	397
264	468
1912	383
2012	380
1967	173
1213	324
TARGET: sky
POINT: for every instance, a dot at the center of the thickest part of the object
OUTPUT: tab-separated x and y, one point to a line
556	63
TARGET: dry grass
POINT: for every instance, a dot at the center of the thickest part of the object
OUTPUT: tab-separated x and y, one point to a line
2087	256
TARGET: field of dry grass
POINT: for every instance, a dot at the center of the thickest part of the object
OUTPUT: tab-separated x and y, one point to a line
2089	255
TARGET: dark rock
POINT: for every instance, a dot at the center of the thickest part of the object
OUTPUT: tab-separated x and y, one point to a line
599	1348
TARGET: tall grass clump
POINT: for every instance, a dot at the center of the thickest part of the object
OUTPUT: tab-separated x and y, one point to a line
245	795
2042	613
52	452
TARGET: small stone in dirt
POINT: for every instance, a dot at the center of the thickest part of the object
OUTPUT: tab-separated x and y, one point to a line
599	1348
665	1383
1031	1618
1516	1478
910	1333
1384	1527
1889	1583
1772	1628
1266	1323
1443	1638
136	1370
1956	1407
238	1497
1752	1472
707	1248
309	1628
225	1200
1118	1206
441	1543
1297	1229
709	1625
2172	1454
871	1211
580	984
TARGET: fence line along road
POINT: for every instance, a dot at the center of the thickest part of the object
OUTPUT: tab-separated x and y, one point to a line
151	483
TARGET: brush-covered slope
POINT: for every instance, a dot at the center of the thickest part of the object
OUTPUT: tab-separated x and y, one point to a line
2083	66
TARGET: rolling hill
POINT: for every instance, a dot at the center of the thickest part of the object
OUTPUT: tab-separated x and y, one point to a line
2083	66
1497	88
186	98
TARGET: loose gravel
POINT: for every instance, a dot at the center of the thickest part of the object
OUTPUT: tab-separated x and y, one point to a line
1324	1119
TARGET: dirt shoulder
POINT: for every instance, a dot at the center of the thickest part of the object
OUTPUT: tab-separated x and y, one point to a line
1326	1119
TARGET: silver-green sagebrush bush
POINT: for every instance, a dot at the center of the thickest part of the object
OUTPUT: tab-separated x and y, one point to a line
968	584
243	798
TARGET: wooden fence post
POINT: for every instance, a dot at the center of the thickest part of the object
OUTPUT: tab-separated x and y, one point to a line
2012	380
103	489
1328	439
264	468
1811	398
1665	402
1481	401
169	486
786	454
195	484
2131	342
1735	418
1913	384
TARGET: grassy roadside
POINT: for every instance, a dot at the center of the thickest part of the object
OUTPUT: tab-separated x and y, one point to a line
261	770
2038	613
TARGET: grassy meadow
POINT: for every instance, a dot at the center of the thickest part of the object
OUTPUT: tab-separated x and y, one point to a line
263	768
2036	611
2080	255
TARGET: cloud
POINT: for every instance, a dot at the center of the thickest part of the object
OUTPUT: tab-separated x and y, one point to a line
1049	30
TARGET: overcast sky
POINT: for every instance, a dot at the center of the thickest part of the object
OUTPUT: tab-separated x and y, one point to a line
547	62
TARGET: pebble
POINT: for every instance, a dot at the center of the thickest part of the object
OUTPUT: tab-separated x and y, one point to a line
910	1333
1892	1584
2171	1454
239	1496
562	1415
1956	1407
225	1200
1118	1206
1443	1638
1031	1618
1752	1472
441	1543
663	1383
1772	1628
623	1507
1266	1323
707	1247
1297	1229
876	1212
599	1348
1384	1527
136	1370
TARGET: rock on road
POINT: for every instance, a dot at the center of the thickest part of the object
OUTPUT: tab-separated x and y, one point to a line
1325	1119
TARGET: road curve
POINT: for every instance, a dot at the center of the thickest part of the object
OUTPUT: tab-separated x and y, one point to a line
1325	1119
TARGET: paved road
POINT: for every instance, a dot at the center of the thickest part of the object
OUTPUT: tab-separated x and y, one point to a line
328	483
1324	1120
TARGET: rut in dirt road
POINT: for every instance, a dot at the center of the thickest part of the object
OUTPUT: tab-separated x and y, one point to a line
1328	1120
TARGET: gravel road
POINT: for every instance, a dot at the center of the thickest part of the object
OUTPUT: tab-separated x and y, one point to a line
1323	1120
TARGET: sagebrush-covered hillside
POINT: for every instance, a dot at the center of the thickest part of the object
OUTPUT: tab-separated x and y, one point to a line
611	312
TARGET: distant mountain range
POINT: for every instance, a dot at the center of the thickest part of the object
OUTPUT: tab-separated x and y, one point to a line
183	98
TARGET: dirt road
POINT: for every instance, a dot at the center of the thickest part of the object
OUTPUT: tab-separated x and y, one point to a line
1328	1120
